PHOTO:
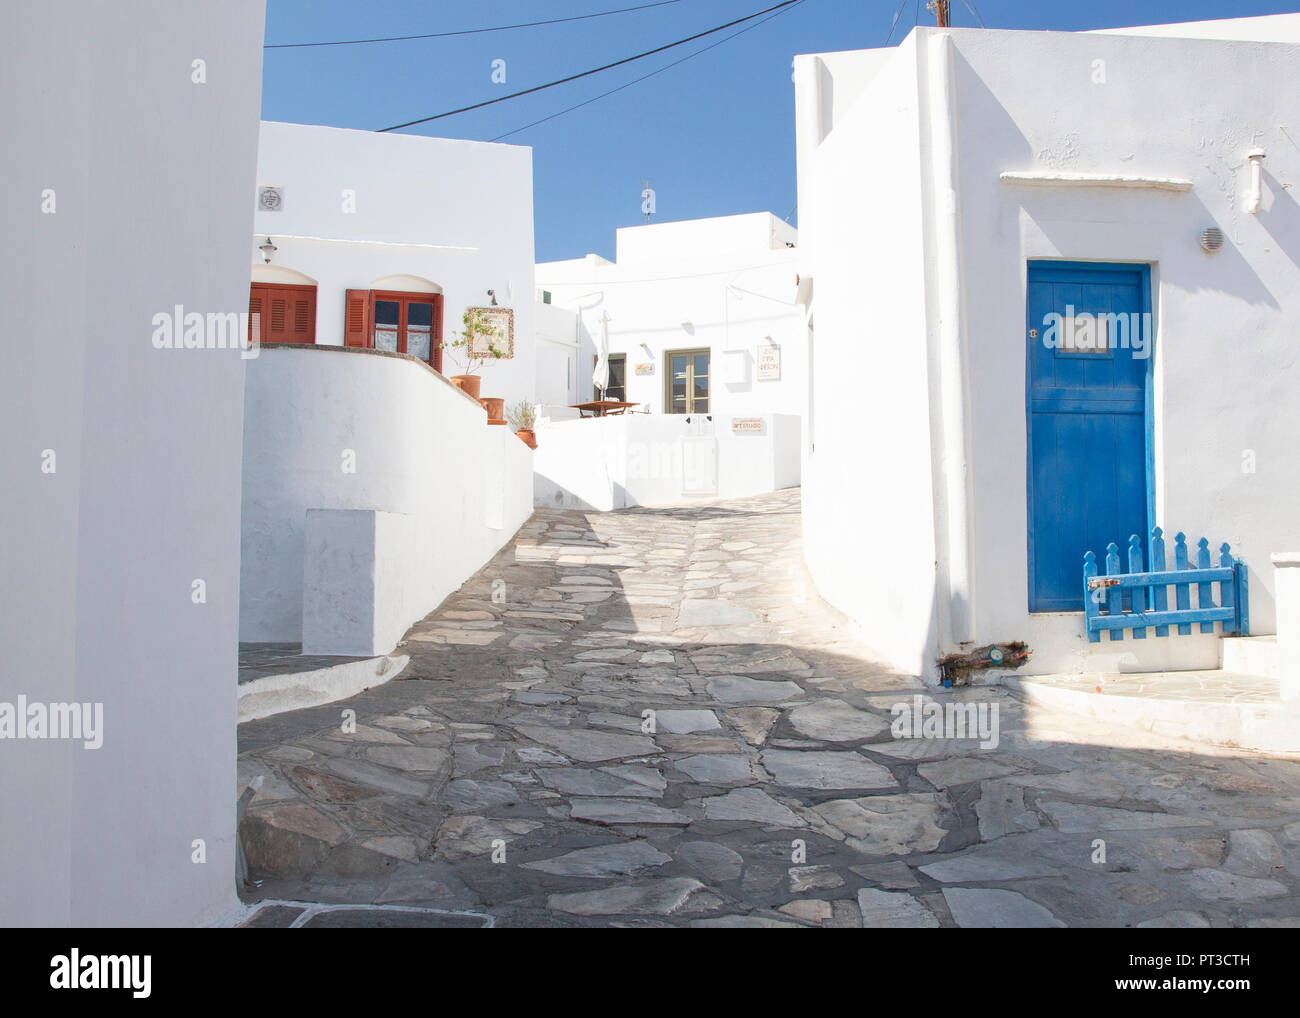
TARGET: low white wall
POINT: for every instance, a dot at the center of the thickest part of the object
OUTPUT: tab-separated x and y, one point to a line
341	429
1286	566
649	459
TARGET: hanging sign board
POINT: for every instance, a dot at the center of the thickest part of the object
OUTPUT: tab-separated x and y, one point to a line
769	363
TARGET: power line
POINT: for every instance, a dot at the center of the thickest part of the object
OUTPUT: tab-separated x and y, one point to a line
594	70
634	81
971	7
468	31
894	24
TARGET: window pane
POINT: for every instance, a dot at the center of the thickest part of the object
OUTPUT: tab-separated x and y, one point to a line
419	314
386	319
701	365
617	372
417	341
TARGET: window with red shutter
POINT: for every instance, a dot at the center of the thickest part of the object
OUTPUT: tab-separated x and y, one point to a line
288	312
357	313
400	321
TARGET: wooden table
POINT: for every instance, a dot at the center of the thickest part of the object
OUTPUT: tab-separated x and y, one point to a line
602	407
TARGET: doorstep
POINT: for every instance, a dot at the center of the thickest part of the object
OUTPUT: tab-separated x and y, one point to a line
1218	708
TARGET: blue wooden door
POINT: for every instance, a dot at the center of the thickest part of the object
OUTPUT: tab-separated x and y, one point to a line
1087	368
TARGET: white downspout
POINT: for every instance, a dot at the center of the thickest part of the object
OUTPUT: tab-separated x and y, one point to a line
953	524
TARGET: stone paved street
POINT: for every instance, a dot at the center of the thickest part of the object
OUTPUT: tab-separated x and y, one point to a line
513	772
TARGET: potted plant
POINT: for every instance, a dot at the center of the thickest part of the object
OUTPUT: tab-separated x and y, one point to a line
522	417
467	351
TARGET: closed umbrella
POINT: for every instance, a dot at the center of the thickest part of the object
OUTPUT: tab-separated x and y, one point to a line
600	377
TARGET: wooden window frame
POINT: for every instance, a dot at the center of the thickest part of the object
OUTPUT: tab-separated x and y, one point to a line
691	353
359	319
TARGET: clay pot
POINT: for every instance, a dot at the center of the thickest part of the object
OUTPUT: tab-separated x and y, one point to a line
468	384
528	437
496	409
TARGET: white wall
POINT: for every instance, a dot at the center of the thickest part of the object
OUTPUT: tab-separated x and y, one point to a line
420	448
1224	348
557	356
868	510
638	459
457	214
724	284
147	168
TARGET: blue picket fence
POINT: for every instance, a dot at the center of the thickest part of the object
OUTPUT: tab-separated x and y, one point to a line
1139	600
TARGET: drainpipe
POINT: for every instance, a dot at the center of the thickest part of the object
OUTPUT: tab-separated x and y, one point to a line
1256	196
949	399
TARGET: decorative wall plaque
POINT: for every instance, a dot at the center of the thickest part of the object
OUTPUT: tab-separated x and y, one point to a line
502	321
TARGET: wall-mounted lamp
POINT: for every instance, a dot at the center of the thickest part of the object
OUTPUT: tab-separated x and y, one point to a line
267	249
493	295
1255	198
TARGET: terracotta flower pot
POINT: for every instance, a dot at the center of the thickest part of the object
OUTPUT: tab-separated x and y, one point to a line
469	384
528	437
496	409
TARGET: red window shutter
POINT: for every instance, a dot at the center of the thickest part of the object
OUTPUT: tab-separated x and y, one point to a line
357	310
303	325
279	329
436	342
257	306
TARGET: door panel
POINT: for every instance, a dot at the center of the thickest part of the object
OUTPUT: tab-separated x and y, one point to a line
1086	377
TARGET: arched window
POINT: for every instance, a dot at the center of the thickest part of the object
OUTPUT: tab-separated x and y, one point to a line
284	302
402	314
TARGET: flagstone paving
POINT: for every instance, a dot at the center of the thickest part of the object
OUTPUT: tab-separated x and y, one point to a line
647	717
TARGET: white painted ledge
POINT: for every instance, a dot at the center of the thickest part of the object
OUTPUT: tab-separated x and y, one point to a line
275	694
1057	178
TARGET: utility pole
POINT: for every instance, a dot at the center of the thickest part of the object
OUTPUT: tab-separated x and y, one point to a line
940	8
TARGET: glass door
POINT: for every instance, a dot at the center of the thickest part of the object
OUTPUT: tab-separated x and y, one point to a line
688	382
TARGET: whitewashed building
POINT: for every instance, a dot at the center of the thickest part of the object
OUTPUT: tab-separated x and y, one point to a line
955	193
707	338
383	241
372	487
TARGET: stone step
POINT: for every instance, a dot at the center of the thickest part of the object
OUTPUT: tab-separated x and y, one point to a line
1216	708
1251	655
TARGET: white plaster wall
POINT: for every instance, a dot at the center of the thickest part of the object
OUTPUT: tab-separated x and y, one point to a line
724	284
99	557
718	235
421	448
868	510
1225	360
458	214
557	356
638	459
1268	28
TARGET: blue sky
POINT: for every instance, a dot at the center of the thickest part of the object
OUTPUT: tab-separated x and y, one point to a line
715	134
